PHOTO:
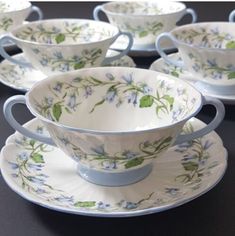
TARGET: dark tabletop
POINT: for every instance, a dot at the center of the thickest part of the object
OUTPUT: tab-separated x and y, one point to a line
211	214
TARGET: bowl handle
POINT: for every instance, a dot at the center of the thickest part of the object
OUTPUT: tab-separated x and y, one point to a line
231	16
161	52
7	110
6	39
108	60
96	11
191	12
38	11
220	112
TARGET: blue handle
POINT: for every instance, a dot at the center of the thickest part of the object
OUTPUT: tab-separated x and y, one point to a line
96	11
192	13
38	11
7	110
231	16
220	112
4	40
108	60
161	52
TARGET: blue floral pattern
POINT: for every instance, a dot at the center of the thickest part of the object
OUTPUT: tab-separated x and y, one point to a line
29	168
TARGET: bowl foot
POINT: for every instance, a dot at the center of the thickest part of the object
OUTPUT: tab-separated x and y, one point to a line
114	179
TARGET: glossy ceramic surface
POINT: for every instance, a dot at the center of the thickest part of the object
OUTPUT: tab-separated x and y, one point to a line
13	13
144	19
208	90
23	78
58	45
185	172
88	111
207	51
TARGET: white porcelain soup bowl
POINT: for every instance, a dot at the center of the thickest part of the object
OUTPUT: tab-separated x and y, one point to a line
13	13
144	19
58	45
113	121
208	52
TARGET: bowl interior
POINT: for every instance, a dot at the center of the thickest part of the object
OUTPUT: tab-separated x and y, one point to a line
143	8
65	31
13	5
113	99
209	35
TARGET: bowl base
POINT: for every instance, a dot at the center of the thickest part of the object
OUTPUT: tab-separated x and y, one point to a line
114	179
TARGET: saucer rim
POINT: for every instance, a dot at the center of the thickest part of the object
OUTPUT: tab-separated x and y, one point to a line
151	210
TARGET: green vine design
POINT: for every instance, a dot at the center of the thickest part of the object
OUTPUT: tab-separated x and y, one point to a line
5	23
212	38
66	96
213	69
150	28
126	159
195	156
69	31
61	63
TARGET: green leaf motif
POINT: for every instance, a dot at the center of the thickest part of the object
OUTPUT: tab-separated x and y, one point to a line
146	101
37	158
169	99
57	111
230	44
32	142
60	38
134	162
231	75
175	73
79	65
190	166
85	204
143	34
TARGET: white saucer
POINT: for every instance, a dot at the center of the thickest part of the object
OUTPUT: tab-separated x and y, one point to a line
22	78
140	50
44	175
162	66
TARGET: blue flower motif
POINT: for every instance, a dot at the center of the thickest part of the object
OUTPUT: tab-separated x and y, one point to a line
40	191
35	167
212	62
109	164
56	30
64	67
64	199
128	205
110	96
110	76
72	102
49	101
99	150
58	87
23	156
101	205
172	191
181	91
13	165
146	89
177	113
196	67
129	154
132	98
128	79
36	180
215	31
44	61
58	55
36	50
88	91
64	141
207	145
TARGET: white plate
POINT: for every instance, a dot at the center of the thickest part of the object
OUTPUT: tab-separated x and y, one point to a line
161	66
22	78
44	175
140	50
